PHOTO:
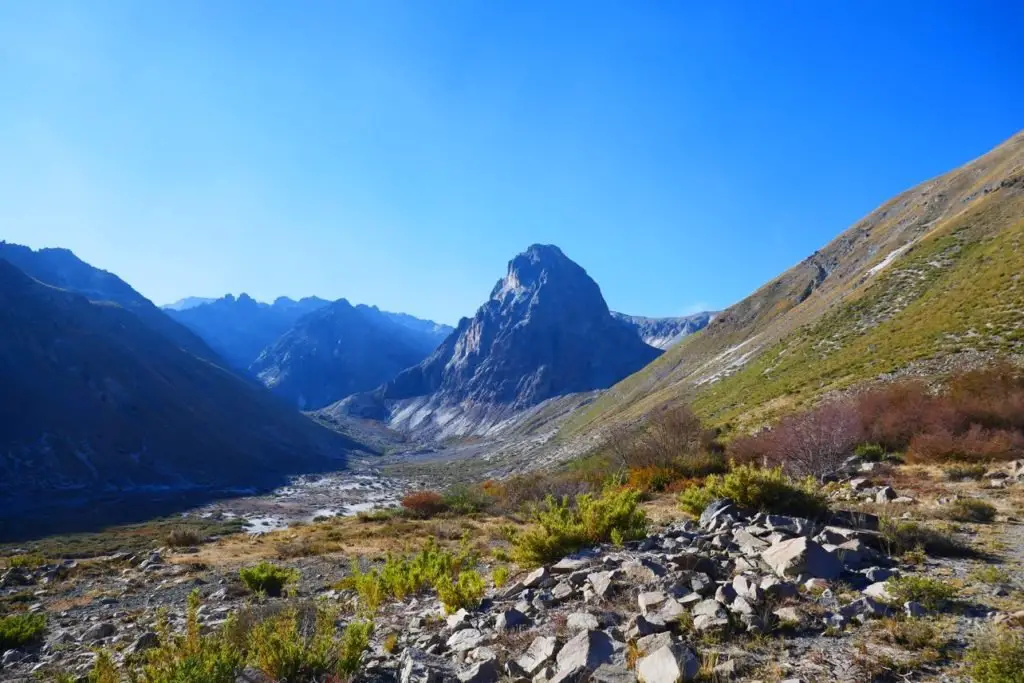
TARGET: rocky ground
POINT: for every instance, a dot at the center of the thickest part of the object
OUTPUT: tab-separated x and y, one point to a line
734	595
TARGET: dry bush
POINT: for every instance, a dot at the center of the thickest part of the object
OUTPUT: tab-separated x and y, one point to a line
812	443
424	504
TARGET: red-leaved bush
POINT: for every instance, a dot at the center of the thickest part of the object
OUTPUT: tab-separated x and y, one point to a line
423	504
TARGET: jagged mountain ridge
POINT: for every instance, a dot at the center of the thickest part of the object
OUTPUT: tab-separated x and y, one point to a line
339	350
545	332
924	282
664	333
240	328
187	303
61	268
96	401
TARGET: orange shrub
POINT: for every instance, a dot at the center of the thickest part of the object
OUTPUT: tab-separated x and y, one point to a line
424	504
649	479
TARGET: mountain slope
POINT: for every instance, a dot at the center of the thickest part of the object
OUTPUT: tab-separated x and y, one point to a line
663	333
187	303
336	351
96	401
61	268
545	332
929	279
239	329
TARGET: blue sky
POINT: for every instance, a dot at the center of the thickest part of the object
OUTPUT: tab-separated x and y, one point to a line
401	153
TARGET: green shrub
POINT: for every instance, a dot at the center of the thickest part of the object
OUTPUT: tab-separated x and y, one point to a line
268	578
997	657
406	575
972	510
26	561
901	536
928	591
285	649
764	489
992	575
192	656
354	642
465	500
499	576
20	629
872	452
561	527
463	593
103	669
963	471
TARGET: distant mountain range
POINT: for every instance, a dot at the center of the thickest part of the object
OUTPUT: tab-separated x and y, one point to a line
545	331
341	349
662	333
240	328
101	395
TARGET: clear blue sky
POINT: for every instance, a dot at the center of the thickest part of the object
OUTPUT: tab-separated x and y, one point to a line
400	153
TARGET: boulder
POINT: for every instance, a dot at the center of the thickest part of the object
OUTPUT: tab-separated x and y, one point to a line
510	620
801	555
582	621
465	639
482	672
540	652
416	666
714	510
668	664
587	650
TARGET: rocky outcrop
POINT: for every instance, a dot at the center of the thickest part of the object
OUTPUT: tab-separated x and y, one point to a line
545	332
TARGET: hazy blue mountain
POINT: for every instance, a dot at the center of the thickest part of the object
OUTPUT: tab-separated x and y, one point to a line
96	400
187	303
339	350
240	328
61	268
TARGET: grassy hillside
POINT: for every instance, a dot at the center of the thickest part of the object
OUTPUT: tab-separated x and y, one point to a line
933	273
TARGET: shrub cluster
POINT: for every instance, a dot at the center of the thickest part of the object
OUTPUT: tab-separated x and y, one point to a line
268	578
432	567
20	629
757	488
977	417
184	537
997	657
928	591
972	510
563	525
904	536
283	646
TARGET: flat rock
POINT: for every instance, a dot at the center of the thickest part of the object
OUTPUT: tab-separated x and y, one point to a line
801	555
668	664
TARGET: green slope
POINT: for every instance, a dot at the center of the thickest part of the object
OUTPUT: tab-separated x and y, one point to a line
932	274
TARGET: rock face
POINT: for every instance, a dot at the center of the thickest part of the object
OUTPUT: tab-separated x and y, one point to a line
240	328
662	333
341	349
545	332
95	400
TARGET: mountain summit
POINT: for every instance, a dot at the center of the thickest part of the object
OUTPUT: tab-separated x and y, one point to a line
545	331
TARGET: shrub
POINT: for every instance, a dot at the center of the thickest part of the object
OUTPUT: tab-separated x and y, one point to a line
267	578
928	591
26	561
500	576
962	471
872	452
992	575
764	489
192	656
285	649
997	657
812	443
465	500
20	629
972	510
184	537
911	634
354	642
901	536
561	527
463	593
390	643
424	504
402	576
648	479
